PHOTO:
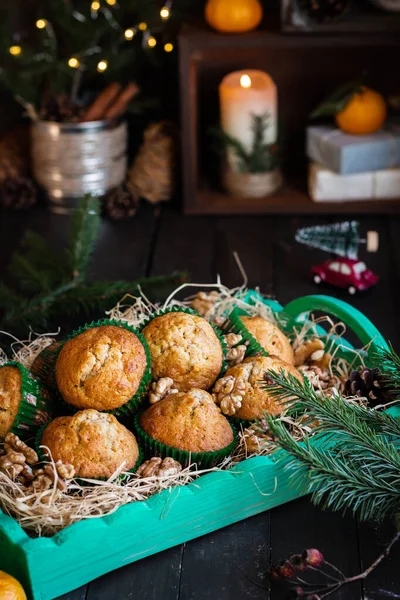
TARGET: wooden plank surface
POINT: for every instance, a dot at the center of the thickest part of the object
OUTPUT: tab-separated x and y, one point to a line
233	562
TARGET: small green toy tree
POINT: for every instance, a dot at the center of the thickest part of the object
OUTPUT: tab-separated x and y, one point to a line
342	239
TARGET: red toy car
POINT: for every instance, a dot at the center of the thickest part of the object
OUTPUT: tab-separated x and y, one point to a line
345	273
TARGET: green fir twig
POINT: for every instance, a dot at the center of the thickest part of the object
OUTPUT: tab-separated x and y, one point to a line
46	287
389	362
83	236
261	158
353	460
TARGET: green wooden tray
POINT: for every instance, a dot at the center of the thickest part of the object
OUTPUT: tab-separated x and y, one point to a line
49	567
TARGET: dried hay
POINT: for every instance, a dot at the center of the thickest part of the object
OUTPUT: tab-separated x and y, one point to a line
45	513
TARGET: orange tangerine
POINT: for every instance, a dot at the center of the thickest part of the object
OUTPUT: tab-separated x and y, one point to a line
10	588
365	113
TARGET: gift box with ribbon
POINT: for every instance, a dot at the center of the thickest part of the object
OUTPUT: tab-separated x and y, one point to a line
347	154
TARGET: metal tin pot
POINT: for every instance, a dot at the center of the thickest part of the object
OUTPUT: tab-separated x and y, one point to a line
73	159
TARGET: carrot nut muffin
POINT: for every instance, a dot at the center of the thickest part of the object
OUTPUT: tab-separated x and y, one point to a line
24	404
188	421
44	364
270	337
101	368
240	394
95	443
186	348
10	397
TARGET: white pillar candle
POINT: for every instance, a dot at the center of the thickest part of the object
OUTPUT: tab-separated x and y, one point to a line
242	95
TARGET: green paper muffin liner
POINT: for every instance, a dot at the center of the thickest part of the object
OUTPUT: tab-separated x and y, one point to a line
203	460
43	366
134	403
35	408
43	458
235	325
190	311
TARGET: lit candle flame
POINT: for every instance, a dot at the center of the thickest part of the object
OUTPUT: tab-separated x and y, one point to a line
245	81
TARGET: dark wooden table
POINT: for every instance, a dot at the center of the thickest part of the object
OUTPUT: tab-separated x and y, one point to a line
231	564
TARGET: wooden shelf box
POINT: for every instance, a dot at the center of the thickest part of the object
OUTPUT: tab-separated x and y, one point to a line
305	69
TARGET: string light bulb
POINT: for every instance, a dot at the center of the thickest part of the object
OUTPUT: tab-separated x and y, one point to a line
95	5
129	34
165	13
168	47
15	50
111	2
41	23
142	26
102	66
73	62
152	42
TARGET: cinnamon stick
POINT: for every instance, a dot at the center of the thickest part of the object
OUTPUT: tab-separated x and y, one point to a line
97	110
121	103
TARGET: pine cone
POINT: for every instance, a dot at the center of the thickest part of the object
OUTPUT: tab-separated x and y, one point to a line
324	11
15	153
368	383
120	204
18	193
152	175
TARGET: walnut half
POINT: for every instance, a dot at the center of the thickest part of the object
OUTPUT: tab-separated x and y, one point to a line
228	394
158	467
161	389
312	352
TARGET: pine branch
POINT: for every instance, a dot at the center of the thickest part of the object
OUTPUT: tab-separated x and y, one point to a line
84	232
262	157
73	298
259	149
337	417
259	126
49	286
38	268
8	297
388	362
100	296
228	142
350	463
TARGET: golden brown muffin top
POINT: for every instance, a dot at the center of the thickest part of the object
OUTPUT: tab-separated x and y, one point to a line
188	421
101	368
10	397
95	443
256	401
185	348
270	337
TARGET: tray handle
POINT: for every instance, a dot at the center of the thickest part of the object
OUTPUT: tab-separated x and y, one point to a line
353	318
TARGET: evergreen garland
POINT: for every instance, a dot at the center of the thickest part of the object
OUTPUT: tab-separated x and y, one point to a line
47	286
37	42
353	461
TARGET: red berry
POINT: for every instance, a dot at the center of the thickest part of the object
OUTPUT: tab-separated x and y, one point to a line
286	570
282	571
313	557
274	573
298	562
296	593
